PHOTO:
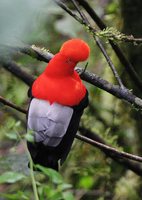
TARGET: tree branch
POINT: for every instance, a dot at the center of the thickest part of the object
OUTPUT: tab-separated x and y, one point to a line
128	66
87	25
134	166
80	12
8	103
17	71
115	90
107	148
119	156
111	33
91	78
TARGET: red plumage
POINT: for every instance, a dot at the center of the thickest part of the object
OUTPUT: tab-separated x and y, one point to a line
60	82
75	49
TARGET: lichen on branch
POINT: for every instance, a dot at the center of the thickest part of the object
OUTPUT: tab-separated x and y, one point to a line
111	33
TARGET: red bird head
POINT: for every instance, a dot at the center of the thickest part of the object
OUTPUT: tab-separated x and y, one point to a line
75	49
64	62
60	82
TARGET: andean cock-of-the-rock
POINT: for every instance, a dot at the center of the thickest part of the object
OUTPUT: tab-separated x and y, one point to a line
58	98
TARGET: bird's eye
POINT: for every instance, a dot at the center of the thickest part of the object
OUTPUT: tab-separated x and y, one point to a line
69	61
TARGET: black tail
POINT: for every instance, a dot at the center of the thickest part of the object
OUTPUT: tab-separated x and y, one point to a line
43	156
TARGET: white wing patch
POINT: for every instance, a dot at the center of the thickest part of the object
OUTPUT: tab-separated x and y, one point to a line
48	121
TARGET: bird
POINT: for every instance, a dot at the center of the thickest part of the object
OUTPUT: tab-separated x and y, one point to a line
58	99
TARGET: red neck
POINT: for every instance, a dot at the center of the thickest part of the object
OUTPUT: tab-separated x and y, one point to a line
60	66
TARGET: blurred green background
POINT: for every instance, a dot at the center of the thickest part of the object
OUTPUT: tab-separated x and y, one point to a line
87	174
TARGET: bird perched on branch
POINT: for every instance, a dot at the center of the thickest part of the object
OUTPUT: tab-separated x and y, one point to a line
58	100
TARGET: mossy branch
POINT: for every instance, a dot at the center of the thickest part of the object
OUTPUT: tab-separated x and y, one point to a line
111	33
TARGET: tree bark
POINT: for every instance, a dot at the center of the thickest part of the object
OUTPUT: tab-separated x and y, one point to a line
132	24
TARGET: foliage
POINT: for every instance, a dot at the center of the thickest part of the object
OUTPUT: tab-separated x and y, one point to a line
11	177
51	186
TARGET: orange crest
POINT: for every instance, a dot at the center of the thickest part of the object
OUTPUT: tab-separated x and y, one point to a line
75	49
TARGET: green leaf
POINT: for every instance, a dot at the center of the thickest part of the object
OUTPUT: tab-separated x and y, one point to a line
19	195
68	196
11	177
52	174
112	7
12	135
18	123
65	186
86	182
29	136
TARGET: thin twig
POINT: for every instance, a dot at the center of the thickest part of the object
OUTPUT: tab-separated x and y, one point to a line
111	33
115	90
110	149
38	53
134	166
8	103
130	38
109	61
98	42
34	185
80	12
85	22
128	66
17	71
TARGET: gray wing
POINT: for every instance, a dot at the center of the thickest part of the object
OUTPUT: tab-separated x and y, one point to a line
49	122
